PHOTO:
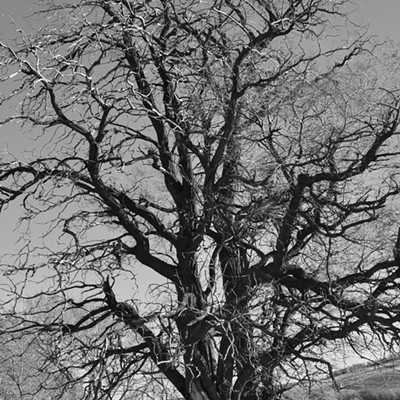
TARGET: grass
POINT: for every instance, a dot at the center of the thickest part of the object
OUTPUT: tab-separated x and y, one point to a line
361	383
371	395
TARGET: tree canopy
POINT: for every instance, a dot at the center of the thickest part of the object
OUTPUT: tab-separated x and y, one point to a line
245	152
29	368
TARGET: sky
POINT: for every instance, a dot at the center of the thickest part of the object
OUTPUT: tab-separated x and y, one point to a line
382	15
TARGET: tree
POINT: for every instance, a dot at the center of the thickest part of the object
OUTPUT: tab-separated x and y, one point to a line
29	370
236	149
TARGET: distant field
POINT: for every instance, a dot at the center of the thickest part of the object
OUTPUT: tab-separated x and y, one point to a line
383	377
381	382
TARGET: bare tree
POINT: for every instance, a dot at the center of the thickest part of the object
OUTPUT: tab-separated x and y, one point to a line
234	148
29	368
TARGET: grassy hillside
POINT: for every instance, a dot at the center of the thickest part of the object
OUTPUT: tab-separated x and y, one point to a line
359	382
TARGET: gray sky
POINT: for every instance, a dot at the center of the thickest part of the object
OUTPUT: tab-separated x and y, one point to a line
383	15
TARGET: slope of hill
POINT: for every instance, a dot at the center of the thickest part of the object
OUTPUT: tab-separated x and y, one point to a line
379	381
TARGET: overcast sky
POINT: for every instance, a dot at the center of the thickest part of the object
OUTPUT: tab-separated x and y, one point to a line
383	15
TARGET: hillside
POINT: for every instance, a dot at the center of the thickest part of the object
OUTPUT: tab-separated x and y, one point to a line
359	382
